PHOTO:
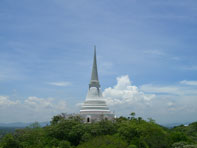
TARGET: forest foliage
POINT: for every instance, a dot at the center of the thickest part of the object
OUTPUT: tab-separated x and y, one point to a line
122	132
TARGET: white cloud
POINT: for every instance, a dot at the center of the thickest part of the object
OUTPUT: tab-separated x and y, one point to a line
63	83
149	88
123	92
39	103
4	101
170	104
191	68
188	82
166	104
169	89
31	109
173	103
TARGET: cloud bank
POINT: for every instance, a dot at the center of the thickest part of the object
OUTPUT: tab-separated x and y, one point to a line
189	82
63	83
125	93
166	103
30	110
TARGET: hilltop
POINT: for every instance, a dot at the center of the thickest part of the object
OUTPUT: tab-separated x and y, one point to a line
120	133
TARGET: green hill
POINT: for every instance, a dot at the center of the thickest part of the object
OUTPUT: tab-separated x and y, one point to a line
121	133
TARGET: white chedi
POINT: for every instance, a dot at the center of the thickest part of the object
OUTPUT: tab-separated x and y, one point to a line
94	93
95	108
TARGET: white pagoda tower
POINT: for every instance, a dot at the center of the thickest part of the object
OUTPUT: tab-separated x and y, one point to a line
95	108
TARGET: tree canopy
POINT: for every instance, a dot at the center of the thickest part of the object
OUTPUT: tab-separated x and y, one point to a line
120	133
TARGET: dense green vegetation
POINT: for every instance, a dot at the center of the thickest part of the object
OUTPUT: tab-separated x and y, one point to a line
121	133
6	130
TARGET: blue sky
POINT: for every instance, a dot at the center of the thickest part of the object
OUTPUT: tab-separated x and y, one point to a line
46	53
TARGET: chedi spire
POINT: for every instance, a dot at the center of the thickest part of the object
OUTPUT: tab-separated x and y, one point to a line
94	82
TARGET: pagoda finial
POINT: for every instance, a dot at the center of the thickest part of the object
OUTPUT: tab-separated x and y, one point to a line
94	49
94	82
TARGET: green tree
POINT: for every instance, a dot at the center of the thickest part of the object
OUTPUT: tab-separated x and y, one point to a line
177	136
9	142
67	132
64	144
104	142
132	114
